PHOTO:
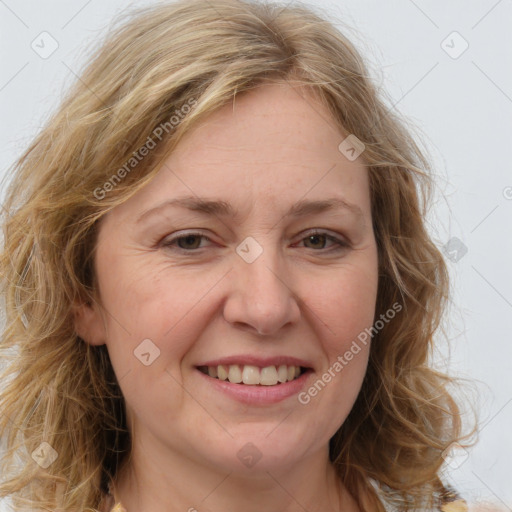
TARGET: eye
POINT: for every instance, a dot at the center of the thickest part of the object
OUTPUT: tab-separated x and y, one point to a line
185	242
318	239
191	241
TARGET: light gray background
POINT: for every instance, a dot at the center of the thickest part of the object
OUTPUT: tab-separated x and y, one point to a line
463	109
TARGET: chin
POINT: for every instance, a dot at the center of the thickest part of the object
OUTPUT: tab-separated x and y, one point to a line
251	454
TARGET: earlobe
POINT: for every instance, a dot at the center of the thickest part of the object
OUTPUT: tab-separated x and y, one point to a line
89	324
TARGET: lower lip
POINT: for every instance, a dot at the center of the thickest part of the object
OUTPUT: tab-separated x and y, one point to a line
257	394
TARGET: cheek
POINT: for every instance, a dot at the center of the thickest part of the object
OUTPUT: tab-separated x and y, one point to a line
345	307
166	305
345	303
153	324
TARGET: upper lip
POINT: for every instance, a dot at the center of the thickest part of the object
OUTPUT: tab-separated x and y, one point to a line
262	362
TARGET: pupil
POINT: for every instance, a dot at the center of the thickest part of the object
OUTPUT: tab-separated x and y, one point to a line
316	237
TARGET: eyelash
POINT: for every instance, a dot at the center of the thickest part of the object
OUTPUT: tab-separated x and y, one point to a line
169	243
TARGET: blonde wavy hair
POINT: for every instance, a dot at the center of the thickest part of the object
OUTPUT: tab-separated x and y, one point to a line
60	390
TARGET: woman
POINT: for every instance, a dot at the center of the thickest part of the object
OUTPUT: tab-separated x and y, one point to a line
279	364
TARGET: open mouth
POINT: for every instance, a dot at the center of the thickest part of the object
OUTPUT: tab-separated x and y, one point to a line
253	375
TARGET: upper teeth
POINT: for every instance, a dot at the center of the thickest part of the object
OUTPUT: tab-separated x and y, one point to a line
249	374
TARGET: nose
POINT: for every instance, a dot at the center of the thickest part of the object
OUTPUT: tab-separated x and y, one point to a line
261	298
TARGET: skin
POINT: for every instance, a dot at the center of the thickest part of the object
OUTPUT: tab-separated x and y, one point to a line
303	297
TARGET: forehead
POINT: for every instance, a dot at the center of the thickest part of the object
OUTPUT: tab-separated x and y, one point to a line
277	120
272	146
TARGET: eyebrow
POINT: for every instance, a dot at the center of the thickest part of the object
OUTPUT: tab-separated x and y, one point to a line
224	209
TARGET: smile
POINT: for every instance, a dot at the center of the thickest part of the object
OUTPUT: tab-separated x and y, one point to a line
253	375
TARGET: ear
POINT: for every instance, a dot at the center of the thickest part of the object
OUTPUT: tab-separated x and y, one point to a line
89	323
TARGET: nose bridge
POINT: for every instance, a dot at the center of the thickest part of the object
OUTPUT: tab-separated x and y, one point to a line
261	296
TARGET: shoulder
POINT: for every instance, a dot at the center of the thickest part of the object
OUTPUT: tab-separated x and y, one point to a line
450	501
109	505
118	508
447	501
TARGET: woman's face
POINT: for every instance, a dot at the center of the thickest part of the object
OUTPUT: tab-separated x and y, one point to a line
275	268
